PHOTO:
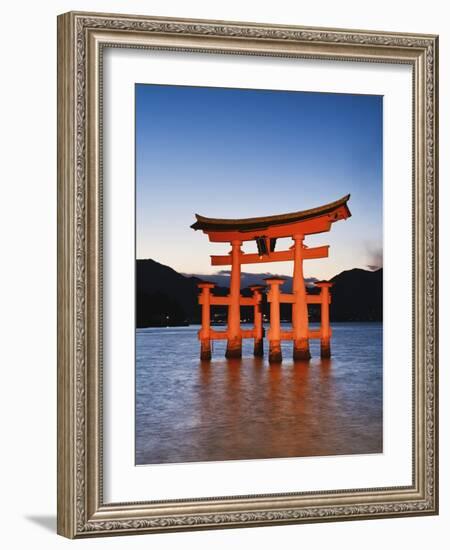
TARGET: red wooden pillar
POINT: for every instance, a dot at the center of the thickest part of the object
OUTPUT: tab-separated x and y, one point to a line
258	349
274	335
234	343
205	332
300	328
325	329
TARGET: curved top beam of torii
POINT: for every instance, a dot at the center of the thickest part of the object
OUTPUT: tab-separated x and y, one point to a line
304	222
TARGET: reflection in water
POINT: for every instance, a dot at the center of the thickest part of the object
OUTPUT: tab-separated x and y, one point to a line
188	410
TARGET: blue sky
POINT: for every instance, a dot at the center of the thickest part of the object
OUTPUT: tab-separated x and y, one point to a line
235	153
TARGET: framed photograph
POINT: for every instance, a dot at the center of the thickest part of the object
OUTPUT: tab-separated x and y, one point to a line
247	282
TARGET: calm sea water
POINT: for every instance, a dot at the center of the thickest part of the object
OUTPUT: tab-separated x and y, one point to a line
188	411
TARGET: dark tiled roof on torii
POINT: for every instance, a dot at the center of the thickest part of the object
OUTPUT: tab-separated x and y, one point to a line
248	224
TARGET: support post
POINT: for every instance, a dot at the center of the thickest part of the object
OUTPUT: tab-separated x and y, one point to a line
325	329
204	333
300	326
258	348
274	335
234	343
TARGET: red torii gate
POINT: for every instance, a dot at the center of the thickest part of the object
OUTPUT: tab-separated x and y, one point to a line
265	231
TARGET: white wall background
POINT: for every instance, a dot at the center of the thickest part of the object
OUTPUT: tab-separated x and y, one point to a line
28	271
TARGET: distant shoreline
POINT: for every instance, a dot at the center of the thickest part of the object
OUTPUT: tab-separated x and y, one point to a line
249	323
165	297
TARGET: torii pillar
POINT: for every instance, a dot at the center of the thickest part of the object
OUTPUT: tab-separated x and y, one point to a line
325	329
205	332
258	349
274	335
300	328
234	340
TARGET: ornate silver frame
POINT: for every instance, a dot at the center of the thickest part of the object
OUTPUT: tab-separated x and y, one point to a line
81	37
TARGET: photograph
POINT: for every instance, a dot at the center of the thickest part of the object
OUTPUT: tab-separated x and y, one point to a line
259	274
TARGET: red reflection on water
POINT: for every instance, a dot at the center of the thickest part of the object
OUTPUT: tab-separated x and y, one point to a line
248	409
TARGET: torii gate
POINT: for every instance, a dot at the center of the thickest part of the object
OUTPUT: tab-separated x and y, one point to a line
265	231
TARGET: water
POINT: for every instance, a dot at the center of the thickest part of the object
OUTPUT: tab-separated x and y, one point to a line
189	411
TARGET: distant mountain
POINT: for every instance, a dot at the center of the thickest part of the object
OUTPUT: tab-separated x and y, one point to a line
357	295
165	297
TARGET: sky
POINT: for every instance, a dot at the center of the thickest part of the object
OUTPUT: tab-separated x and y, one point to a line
233	153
